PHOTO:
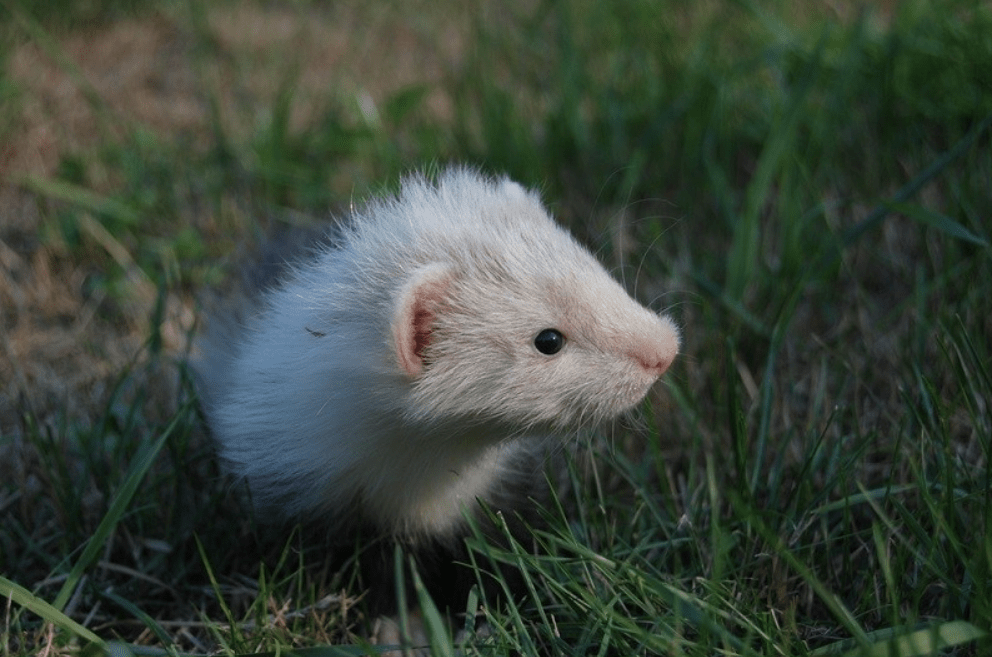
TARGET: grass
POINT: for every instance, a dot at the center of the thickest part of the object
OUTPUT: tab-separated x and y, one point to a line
807	192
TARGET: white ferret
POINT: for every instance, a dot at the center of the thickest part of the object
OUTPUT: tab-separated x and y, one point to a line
417	365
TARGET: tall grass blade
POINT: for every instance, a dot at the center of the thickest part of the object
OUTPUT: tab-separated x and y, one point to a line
48	612
118	507
746	246
936	220
897	642
437	629
907	191
99	204
135	611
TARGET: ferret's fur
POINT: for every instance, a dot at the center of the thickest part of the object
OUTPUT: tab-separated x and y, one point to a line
392	380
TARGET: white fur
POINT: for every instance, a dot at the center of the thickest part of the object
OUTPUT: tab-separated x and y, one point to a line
393	380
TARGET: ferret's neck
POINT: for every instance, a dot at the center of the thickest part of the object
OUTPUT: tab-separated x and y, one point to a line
426	486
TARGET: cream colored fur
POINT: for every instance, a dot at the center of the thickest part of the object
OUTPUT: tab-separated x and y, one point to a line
393	380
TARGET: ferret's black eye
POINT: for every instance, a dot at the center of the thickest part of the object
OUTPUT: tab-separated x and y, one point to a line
549	341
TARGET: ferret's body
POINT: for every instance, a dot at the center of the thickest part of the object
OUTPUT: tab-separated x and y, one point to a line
391	381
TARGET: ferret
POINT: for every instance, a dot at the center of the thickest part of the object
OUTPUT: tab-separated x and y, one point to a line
416	365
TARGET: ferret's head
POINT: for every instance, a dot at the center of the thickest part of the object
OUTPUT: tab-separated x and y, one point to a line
506	317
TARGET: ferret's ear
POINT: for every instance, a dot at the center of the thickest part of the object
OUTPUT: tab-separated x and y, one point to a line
415	311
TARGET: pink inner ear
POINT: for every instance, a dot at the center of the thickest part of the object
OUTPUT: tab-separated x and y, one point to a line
413	323
423	319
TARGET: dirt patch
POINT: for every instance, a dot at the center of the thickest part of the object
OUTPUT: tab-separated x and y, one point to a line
164	72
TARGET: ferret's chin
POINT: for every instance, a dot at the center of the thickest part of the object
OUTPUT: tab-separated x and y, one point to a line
625	403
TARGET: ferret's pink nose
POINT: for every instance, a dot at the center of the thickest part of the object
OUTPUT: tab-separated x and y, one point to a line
657	365
657	352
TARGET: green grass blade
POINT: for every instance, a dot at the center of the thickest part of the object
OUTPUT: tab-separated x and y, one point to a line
936	220
134	610
434	624
745	251
897	642
50	613
907	191
98	204
118	507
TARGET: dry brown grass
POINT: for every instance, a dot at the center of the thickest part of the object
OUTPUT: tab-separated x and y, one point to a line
58	350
